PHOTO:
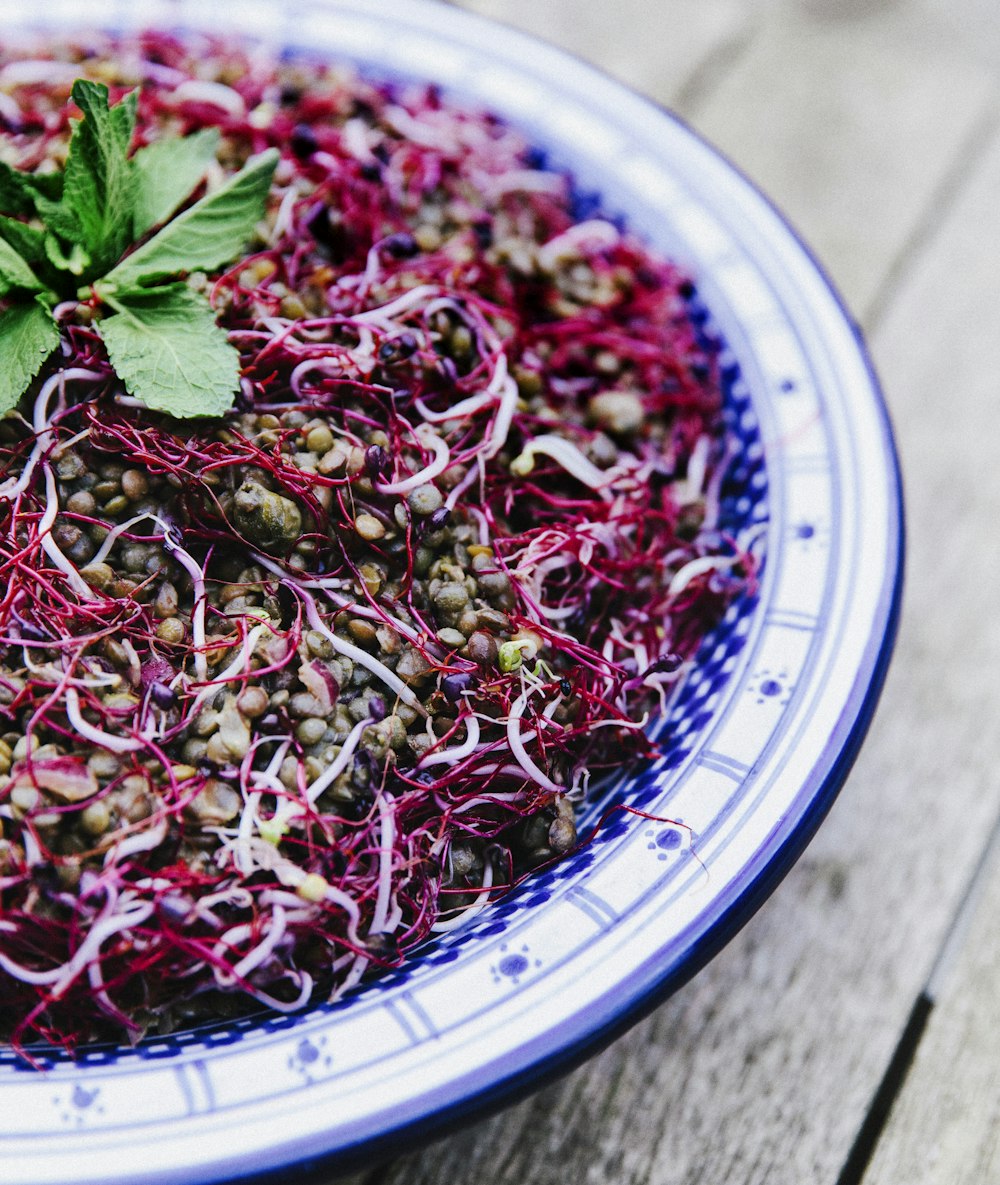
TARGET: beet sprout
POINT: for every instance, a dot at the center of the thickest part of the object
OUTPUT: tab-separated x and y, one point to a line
286	693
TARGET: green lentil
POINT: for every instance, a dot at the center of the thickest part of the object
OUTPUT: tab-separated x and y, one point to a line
319	440
369	527
424	499
172	630
311	730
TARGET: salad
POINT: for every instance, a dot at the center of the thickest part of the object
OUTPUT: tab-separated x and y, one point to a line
359	505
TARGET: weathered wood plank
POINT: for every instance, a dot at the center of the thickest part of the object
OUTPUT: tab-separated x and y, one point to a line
850	125
762	1068
679	37
945	1125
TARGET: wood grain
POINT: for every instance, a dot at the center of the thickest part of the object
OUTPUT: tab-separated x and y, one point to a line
853	127
944	1128
872	125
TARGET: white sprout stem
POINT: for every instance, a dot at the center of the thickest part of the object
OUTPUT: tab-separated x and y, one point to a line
144	840
475	471
285	218
419	131
261	780
697	467
713	488
698	567
269	1001
347	903
505	412
566	454
262	951
42	428
119	529
517	748
483	524
593	235
402	304
49	671
556	613
11	112
26	975
451	756
358	968
326	366
470	911
197	574
99	933
338	765
234	895
215	94
193	569
458	411
524	181
292	875
442	459
30	71
376	614
83	434
239	665
747	539
470	804
49	545
356	654
387	839
92	733
332	589
355	140
242	850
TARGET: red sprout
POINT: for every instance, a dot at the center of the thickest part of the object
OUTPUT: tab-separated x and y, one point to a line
434	356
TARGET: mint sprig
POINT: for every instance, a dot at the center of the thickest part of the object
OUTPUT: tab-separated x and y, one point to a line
168	351
28	335
68	234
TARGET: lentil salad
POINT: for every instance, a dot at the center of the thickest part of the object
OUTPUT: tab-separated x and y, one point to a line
285	692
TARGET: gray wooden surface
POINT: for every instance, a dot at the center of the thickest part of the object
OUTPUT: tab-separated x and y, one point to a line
851	1033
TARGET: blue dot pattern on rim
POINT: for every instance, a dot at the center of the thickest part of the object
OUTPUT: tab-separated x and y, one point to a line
743	505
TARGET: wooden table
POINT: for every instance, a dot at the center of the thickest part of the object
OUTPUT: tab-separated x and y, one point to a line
851	1033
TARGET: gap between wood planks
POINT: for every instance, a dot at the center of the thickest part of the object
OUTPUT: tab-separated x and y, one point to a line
899	1064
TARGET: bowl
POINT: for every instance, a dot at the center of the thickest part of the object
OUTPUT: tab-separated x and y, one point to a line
755	744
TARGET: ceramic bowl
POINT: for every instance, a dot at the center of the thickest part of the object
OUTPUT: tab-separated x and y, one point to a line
755	745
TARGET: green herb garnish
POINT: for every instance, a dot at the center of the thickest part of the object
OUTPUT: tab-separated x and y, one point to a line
67	235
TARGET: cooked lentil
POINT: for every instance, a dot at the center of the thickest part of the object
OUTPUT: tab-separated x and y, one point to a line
283	693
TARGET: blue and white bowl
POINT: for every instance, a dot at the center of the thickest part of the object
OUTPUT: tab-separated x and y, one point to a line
757	744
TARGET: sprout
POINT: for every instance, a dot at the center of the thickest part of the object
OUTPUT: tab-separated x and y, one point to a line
261	751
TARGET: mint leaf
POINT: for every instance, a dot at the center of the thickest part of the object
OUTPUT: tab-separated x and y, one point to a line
17	189
49	185
166	172
59	218
99	185
167	349
75	261
28	335
15	194
14	271
212	232
27	241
